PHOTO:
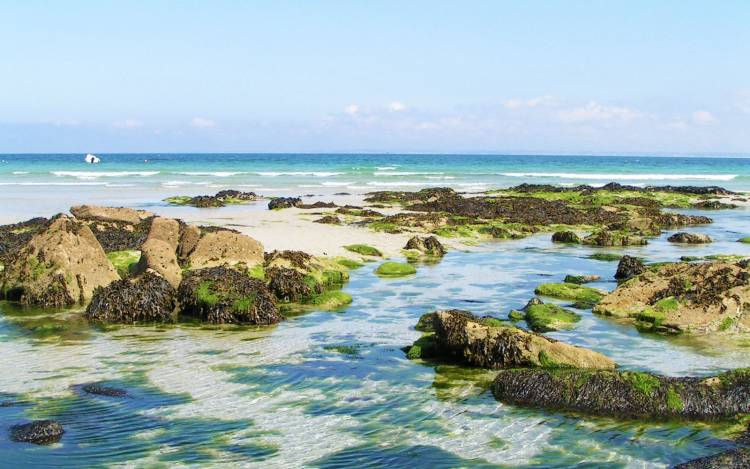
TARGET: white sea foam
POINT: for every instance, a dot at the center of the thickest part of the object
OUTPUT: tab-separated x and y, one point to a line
53	183
20	172
319	174
98	174
405	173
402	184
628	177
220	174
336	184
385	168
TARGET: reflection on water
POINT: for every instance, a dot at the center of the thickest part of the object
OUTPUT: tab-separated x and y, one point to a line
334	389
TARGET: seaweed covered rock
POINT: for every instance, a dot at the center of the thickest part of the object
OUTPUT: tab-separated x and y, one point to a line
116	228
221	295
614	238
737	458
429	246
290	285
110	214
684	297
220	199
627	394
629	267
15	236
40	432
284	202
99	389
459	335
328	220
60	265
689	238
570	291
147	298
549	317
295	276
566	237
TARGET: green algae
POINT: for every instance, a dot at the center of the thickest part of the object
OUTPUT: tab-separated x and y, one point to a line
257	272
674	400
550	317
349	263
124	261
331	300
570	291
645	383
605	256
178	200
745	240
395	269
424	347
364	250
350	350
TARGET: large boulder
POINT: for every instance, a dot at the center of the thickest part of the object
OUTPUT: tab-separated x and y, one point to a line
147	298
159	251
429	246
225	247
629	267
110	214
40	432
566	237
461	336
689	238
627	394
221	295
61	265
684	297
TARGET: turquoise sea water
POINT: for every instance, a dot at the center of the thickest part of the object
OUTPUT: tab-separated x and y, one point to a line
334	389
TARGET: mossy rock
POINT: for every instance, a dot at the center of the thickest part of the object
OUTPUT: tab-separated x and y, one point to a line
349	263
424	347
570	291
516	315
395	269
257	272
745	240
124	261
550	317
331	300
179	200
605	256
364	250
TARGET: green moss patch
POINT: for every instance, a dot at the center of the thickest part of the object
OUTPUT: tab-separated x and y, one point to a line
395	269
605	256
178	200
351	350
644	383
364	250
424	347
124	261
746	240
550	317
570	291
349	263
332	300
257	271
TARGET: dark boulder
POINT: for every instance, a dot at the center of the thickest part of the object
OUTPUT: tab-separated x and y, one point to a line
734	458
565	237
629	267
328	220
284	202
102	390
626	394
221	295
689	238
318	204
40	432
290	285
146	298
429	246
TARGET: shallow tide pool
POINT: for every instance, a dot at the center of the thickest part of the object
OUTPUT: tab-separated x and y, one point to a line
333	389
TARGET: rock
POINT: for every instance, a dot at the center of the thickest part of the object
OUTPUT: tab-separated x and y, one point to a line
534	301
297	259
429	246
110	214
581	279
329	220
147	298
166	230
159	251
734	458
565	237
59	266
459	335
189	237
690	238
318	204
221	295
290	285
629	267
40	432
549	317
284	202
627	394
684	297
14	237
225	247
614	238
713	205
102	390
570	291
221	199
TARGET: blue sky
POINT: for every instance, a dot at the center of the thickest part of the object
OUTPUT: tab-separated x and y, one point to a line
418	76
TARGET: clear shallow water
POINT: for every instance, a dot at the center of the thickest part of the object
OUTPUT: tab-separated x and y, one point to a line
290	396
52	182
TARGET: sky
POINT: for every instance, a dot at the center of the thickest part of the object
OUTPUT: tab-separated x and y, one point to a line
386	76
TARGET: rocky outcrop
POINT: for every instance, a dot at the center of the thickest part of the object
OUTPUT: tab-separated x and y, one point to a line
569	237
221	295
290	285
684	297
159	251
689	238
614	238
110	214
459	335
61	265
629	267
40	432
429	246
147	298
284	202
626	394
225	247
15	236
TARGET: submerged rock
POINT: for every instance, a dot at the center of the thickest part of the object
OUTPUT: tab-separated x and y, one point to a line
147	298
459	335
626	394
689	238
629	267
60	265
102	390
684	297
40	432
284	202
429	246
221	295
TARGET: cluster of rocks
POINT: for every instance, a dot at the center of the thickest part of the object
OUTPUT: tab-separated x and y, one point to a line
616	187
220	199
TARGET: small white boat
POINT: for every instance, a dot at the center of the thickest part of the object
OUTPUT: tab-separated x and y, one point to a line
92	159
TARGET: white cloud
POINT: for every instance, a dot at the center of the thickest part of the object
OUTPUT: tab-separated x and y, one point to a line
396	106
595	112
538	101
351	109
703	118
128	124
202	123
